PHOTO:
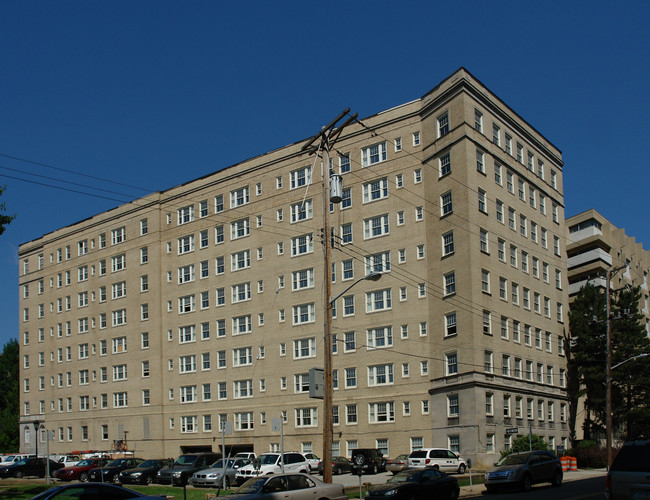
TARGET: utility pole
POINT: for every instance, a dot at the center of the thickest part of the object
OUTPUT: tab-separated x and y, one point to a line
327	136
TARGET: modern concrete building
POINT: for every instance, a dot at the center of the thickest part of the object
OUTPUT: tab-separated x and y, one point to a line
159	320
595	245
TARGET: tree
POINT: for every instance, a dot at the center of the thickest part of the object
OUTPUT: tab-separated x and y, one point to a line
4	219
9	404
588	360
523	443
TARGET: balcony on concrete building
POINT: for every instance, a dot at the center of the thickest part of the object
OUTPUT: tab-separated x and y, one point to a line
584	233
592	255
597	282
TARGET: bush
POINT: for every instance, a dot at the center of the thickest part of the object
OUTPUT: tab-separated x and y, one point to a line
523	442
589	454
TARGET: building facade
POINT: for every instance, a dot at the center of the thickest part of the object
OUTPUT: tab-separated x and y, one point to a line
160	320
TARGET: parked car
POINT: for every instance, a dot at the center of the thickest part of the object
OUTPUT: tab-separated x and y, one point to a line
287	487
96	491
28	467
629	475
68	460
245	454
182	469
213	476
398	464
339	466
417	484
367	461
312	461
80	471
269	463
523	470
11	459
110	473
145	473
437	458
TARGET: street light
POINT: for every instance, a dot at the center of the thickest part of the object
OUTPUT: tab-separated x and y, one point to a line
37	427
328	389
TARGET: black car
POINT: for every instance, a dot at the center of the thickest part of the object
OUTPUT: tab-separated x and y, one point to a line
29	467
339	465
367	461
182	469
416	484
110	473
96	491
145	473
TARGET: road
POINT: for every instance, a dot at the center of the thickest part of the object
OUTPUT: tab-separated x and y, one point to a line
583	489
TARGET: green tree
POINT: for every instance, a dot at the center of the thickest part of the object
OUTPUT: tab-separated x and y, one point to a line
588	360
4	219
9	405
523	443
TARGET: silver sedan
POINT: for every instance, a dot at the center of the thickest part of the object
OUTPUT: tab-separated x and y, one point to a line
214	475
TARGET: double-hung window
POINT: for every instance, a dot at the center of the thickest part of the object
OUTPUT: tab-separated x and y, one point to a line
373	154
375	190
239	197
376	226
300	177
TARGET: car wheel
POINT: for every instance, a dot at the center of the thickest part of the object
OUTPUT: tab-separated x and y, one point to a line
148	480
227	483
336	470
557	479
461	469
372	469
436	467
18	474
115	479
454	494
525	483
490	489
83	477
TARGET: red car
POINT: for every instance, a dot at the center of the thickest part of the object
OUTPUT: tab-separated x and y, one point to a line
79	472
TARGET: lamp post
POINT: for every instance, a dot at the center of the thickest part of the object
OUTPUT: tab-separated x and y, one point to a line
328	389
37	427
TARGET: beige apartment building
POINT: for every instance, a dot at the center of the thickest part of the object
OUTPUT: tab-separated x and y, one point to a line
160	320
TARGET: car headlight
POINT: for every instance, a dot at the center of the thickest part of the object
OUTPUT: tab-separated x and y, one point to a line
177	473
136	474
391	493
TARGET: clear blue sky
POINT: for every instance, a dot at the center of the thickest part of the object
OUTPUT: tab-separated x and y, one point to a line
150	94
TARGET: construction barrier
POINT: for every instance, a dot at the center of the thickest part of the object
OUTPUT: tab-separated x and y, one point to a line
565	460
574	464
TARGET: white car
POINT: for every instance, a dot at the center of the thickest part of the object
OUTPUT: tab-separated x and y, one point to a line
312	461
441	459
12	459
270	463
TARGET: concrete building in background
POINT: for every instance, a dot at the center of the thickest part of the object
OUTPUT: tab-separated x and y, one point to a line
158	321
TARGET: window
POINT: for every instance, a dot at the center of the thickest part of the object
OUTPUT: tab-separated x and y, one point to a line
350	377
450	324
378	263
304	348
482	201
185	214
186	304
480	161
119	317
398	144
452	406
304	313
448	243
239	197
446	206
344	163
520	153
380	375
241	324
485	281
301	211
442	124
449	283
373	154
302	245
416	138
445	164
451	363
489	405
375	190
523	225
503	288
478	120
376	226
499	204
240	260
505	365
417	176
379	300
381	412
487	362
242	389
483	236
379	337
346	198
487	322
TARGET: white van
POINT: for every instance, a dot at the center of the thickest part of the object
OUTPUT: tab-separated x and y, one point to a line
269	463
12	459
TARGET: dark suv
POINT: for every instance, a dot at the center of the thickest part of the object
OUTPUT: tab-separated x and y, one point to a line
367	461
179	473
629	475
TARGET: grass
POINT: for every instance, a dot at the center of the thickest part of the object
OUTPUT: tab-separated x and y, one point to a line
26	491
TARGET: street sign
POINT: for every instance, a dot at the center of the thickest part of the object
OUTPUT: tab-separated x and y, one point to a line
512	430
275	424
560	449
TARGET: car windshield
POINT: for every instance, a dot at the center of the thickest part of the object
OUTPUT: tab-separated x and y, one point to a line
21	462
219	464
419	454
270	459
185	460
85	462
10	458
514	459
251	486
404	476
116	463
150	463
